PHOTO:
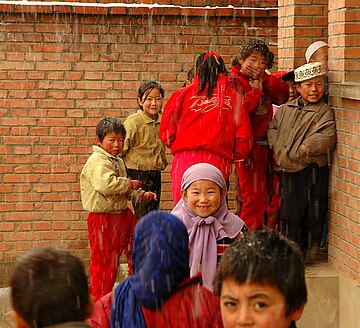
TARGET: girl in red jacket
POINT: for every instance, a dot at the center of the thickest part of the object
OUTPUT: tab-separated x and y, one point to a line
260	90
205	122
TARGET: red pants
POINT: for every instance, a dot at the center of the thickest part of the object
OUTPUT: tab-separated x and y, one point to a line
253	175
109	236
183	160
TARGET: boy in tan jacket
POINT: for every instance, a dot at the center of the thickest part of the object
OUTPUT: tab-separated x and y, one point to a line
105	192
302	134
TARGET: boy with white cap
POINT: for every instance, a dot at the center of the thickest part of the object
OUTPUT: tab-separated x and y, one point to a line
302	134
318	52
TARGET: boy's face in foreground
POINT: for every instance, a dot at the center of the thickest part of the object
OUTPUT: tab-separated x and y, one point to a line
311	90
203	197
113	143
254	305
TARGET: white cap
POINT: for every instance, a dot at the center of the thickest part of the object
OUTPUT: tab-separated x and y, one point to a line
308	71
313	48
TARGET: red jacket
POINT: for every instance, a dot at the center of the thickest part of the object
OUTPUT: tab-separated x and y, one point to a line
100	317
218	124
190	306
259	103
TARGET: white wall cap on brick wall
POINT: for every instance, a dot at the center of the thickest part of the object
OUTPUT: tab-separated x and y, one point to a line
127	5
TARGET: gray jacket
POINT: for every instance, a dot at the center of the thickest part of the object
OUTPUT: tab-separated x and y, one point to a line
296	124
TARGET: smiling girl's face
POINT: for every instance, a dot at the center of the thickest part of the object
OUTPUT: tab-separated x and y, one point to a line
254	305
151	102
203	197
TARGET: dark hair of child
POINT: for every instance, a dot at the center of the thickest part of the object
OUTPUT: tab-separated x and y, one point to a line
265	257
207	71
191	73
146	87
107	125
190	76
288	77
252	45
49	286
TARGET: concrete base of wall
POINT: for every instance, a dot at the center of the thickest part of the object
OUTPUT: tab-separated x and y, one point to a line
349	303
322	308
333	300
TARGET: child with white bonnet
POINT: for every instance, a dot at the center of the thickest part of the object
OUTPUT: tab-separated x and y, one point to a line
211	226
318	52
302	134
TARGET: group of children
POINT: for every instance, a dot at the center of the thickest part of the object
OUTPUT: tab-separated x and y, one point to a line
280	153
217	120
259	283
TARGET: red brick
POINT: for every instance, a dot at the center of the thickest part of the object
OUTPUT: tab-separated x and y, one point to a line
88	10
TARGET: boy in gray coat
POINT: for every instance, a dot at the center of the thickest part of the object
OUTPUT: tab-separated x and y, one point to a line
302	134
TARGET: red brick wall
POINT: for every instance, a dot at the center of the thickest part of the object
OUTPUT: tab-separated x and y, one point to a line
301	22
61	69
344	64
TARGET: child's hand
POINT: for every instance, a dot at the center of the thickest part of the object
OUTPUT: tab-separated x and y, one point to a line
256	84
136	184
256	73
149	196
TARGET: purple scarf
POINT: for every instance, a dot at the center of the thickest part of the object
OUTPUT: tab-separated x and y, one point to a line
204	232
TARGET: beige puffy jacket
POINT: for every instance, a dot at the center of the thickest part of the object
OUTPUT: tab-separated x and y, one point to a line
104	185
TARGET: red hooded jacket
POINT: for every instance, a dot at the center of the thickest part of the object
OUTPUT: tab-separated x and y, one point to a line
218	124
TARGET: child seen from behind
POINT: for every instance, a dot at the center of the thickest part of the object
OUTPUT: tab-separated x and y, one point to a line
205	122
48	288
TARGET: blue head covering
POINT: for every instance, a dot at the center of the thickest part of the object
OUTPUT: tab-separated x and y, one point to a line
160	261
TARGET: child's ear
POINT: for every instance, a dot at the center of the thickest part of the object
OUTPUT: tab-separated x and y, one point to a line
183	194
140	102
297	86
19	321
296	315
98	142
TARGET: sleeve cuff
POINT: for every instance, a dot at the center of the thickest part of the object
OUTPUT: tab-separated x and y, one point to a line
131	185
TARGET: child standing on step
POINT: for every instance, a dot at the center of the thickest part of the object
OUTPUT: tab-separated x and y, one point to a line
302	134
